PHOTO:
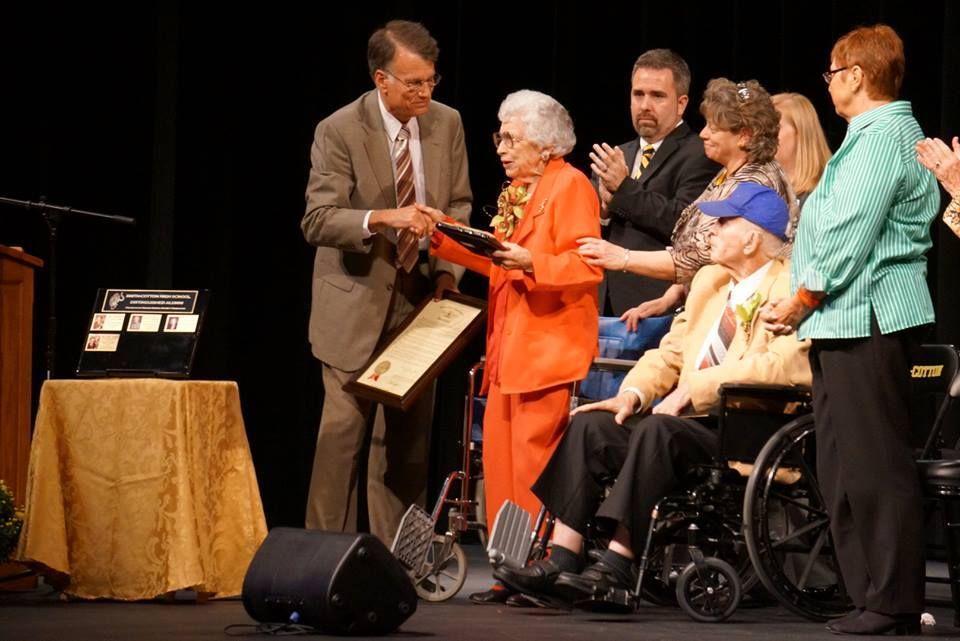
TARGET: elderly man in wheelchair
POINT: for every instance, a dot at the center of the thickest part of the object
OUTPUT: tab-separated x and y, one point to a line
650	449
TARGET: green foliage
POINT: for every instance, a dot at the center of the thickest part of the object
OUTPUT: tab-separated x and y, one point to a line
11	520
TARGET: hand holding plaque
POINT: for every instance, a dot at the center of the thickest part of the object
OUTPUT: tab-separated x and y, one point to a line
476	240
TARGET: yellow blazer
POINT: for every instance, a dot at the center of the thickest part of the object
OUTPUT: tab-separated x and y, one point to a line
761	358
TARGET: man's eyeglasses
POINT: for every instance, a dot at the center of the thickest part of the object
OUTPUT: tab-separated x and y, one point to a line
506	139
828	75
415	85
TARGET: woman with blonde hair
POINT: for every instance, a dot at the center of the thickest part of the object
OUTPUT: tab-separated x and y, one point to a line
803	150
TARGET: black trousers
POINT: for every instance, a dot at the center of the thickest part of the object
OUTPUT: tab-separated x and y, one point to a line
645	459
866	467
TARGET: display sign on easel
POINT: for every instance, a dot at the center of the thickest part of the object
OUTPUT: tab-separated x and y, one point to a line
143	332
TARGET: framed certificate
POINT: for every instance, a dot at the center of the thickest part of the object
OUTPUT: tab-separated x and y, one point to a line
419	350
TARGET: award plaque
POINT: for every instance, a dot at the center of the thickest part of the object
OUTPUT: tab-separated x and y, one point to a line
419	350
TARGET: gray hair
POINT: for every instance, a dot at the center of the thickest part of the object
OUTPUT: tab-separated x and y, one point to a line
546	122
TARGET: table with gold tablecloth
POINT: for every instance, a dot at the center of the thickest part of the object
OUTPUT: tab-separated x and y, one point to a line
137	487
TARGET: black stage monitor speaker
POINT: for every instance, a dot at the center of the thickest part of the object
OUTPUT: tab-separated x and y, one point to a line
337	583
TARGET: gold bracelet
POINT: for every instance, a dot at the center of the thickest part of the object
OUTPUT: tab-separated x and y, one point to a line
626	260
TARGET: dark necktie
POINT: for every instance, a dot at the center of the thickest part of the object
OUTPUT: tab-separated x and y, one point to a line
645	157
720	340
407	241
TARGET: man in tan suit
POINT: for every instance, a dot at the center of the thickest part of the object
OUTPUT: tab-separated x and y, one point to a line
375	162
718	338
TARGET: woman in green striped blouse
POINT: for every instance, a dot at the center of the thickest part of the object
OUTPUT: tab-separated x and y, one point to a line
859	273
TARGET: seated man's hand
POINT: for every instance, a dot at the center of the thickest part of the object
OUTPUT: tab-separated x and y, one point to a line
783	316
674	403
624	405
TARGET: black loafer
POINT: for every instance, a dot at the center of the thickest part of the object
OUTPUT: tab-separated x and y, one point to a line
518	600
596	581
493	596
869	623
536	578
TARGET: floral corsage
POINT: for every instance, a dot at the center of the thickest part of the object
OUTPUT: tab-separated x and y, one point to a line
746	311
510	205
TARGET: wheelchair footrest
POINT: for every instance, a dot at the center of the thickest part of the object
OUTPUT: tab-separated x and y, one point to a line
511	537
413	539
614	600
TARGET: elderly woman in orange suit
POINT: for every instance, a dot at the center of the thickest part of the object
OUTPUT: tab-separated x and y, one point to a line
542	312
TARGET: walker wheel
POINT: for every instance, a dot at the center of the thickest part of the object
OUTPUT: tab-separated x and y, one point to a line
444	570
710	593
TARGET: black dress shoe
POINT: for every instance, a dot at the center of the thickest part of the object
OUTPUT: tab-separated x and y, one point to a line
595	581
536	578
492	596
517	600
846	618
876	623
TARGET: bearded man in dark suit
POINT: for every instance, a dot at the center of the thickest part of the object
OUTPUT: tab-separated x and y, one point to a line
644	184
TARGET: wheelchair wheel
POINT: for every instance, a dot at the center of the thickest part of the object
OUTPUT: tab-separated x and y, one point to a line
444	570
787	528
710	593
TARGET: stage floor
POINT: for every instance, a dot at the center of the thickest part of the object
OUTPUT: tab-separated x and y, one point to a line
44	617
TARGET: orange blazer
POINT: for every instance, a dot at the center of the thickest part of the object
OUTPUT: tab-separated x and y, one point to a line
551	320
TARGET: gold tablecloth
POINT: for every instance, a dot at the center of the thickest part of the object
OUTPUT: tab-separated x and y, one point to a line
137	487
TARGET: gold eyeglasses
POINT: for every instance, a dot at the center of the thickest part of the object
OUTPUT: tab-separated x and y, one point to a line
830	73
415	85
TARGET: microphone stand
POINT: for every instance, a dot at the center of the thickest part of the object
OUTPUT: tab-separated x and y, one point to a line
52	215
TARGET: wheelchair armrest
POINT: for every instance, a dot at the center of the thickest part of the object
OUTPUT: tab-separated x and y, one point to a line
765	391
612	364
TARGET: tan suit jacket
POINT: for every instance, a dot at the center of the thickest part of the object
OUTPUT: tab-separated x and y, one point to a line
351	173
759	358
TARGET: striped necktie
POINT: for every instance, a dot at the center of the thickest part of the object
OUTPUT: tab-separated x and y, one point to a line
645	157
407	241
721	339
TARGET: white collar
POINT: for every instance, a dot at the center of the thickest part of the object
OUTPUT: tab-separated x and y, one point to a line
743	290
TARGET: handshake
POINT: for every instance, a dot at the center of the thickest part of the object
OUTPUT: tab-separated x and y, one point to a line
418	219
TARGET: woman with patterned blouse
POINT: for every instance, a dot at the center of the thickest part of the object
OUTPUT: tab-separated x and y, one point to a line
945	165
741	135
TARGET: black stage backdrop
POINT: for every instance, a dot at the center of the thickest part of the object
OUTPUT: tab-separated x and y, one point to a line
197	120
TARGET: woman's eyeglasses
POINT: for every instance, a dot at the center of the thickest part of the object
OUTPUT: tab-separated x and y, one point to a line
505	139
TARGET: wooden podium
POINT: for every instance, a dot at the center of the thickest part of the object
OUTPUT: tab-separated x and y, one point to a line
16	364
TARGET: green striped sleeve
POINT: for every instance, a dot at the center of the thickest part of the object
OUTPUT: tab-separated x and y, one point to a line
862	194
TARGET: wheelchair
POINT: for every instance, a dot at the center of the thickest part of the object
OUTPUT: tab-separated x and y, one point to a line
436	562
755	516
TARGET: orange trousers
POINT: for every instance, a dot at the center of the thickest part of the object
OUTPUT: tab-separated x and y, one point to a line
520	433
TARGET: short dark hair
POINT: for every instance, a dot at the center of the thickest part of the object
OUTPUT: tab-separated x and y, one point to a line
666	59
412	36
